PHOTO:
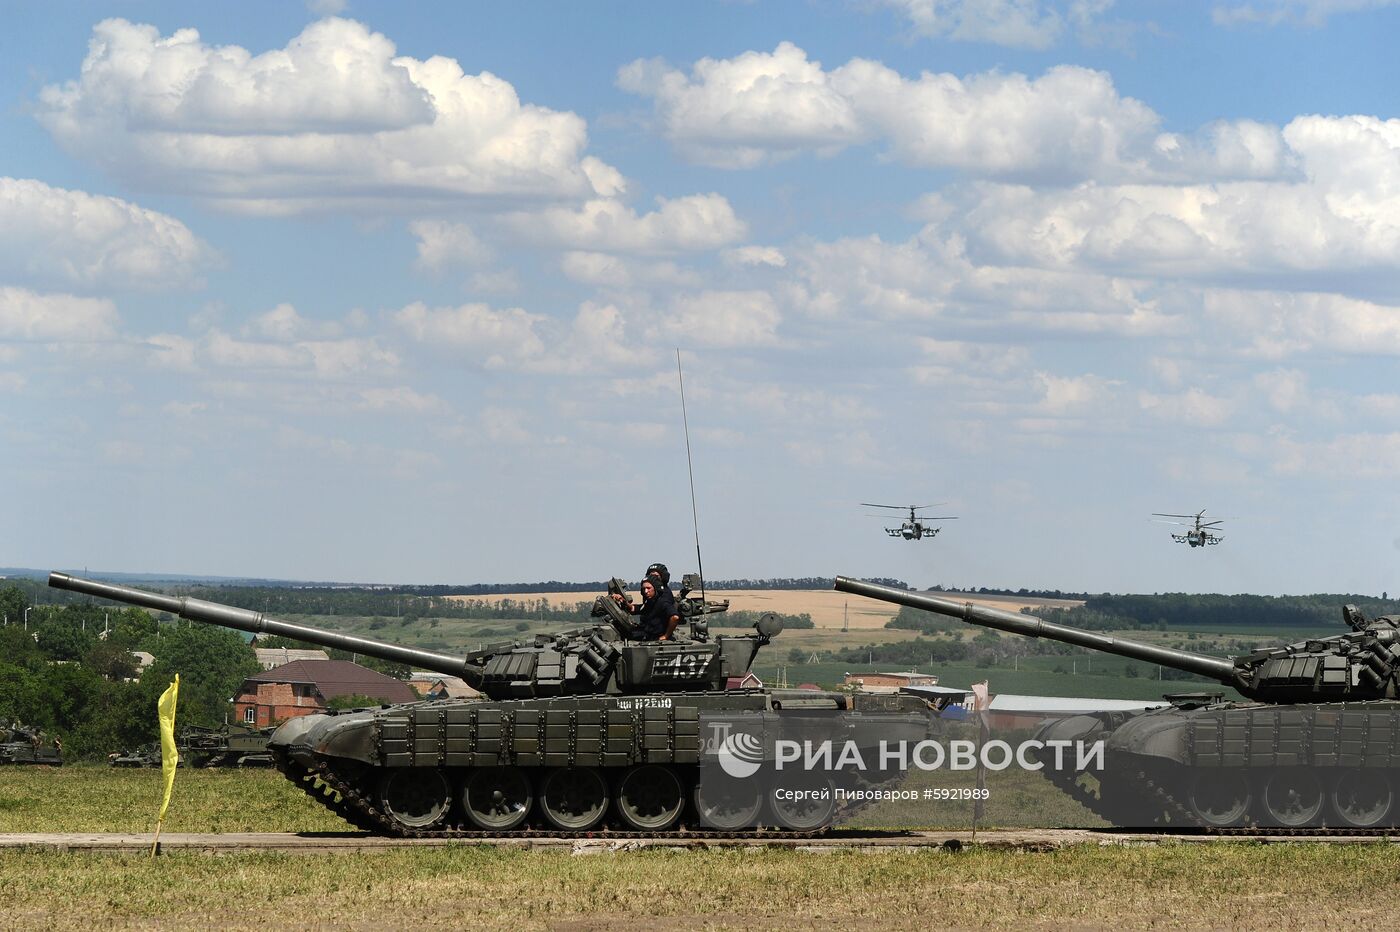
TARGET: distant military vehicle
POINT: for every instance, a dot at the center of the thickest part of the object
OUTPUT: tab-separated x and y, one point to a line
916	526
1319	744
1199	533
24	744
232	745
581	731
147	755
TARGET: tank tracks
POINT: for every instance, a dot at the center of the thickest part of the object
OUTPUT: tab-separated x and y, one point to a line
329	790
1185	820
1182	819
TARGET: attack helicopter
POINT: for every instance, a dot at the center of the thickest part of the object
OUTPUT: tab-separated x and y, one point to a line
1199	532
915	527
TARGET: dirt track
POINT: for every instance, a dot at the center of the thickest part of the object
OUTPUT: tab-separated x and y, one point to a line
336	842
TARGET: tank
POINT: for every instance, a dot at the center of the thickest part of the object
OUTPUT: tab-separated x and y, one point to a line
230	745
148	755
583	731
1316	741
24	744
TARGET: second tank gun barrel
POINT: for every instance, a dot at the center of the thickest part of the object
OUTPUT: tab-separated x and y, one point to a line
243	619
1216	668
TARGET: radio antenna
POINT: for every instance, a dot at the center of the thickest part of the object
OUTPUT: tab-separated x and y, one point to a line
690	467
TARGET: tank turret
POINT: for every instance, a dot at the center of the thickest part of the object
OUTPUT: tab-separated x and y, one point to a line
1362	663
1319	745
604	657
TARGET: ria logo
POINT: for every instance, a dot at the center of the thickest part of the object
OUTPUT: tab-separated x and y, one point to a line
740	755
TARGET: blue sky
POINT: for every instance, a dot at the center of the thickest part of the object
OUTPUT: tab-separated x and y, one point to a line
392	293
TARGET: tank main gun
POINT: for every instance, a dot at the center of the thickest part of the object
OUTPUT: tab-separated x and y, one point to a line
603	657
242	619
1363	663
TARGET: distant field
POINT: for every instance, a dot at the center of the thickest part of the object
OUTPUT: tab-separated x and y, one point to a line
827	607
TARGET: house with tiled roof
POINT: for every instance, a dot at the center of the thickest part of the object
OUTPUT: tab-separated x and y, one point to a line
304	687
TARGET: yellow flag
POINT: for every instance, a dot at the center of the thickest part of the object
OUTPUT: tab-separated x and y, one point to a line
169	756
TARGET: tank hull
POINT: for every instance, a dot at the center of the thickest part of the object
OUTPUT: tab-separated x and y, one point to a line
586	765
1243	765
23	752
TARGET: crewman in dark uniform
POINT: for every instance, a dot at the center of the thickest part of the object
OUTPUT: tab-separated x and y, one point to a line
658	613
658	573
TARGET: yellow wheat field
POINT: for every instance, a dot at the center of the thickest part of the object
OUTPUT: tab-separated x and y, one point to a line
827	607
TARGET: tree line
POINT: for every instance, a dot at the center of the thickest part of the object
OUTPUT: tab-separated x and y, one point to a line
69	670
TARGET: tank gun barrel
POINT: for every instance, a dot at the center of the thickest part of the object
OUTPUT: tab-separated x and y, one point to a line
257	623
1217	668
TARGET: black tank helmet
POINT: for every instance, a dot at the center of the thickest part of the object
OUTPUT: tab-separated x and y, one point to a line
660	570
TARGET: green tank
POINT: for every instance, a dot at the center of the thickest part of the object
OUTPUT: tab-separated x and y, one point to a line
1315	744
145	756
230	745
25	744
584	731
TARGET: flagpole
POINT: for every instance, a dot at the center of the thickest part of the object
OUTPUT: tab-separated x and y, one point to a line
169	753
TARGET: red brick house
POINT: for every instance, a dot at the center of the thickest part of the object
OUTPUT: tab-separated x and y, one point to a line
303	687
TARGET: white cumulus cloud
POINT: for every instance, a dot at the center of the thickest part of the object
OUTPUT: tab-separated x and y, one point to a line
742	111
697	222
332	119
60	238
728	319
1032	24
29	316
1304	12
495	338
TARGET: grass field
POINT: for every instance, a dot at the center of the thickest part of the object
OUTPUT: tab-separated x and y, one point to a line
1234	885
101	799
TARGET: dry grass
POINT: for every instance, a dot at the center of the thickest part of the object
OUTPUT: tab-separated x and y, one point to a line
1191	886
103	799
1187	886
827	607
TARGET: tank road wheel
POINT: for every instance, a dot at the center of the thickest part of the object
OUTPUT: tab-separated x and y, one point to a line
650	798
1363	798
1293	797
497	799
805	807
728	805
414	797
1220	798
574	798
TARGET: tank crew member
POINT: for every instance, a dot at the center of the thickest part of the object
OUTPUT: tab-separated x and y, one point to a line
659	615
658	573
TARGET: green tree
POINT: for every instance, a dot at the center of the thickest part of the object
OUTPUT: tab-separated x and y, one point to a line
12	604
110	661
62	637
212	663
